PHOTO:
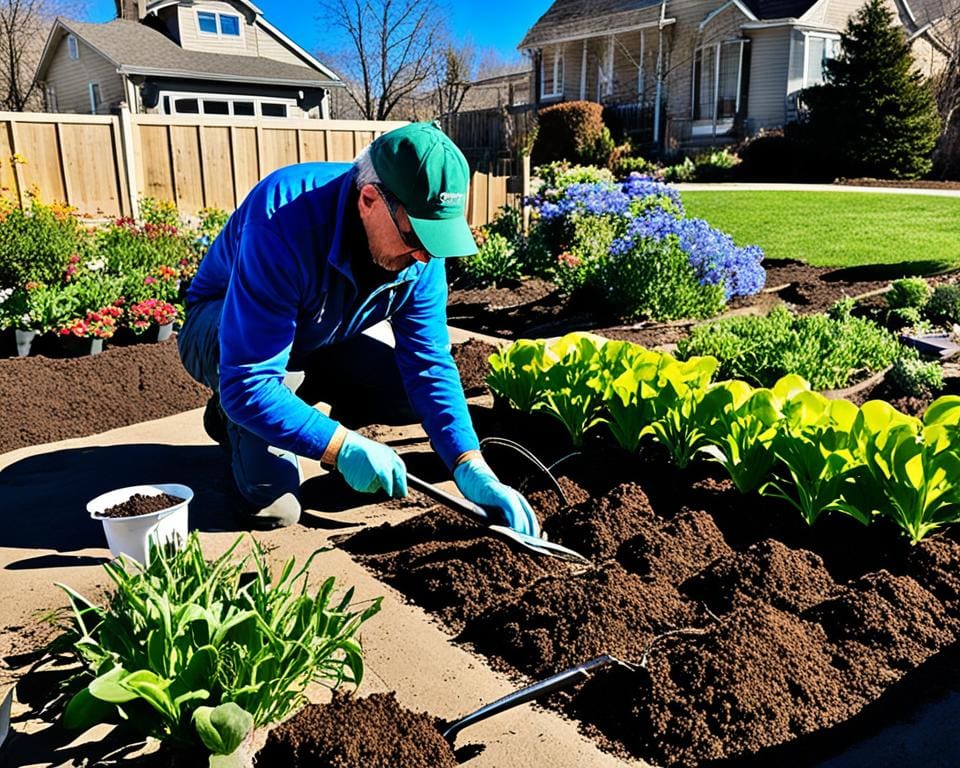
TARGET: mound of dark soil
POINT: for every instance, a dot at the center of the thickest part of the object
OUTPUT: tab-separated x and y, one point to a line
751	631
369	732
49	399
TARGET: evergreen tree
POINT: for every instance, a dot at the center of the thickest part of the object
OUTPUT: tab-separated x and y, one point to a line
875	115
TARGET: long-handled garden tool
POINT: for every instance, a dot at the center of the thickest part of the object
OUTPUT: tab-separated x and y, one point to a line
529	693
478	513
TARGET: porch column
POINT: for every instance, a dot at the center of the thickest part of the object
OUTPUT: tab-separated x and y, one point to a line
583	72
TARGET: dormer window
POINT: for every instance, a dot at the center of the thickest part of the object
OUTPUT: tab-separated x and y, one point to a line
72	48
219	24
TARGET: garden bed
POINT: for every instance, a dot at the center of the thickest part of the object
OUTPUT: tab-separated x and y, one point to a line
764	641
534	307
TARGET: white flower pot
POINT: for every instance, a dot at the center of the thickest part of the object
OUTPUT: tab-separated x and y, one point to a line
131	535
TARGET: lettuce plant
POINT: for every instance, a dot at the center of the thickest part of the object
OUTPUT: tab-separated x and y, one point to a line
184	646
629	378
743	425
517	373
572	393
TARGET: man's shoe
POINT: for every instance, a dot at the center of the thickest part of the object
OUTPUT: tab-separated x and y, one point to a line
281	513
215	422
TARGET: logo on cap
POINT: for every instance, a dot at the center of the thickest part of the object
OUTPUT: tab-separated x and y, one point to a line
451	197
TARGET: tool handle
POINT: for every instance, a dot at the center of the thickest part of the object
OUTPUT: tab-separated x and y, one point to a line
529	693
451	500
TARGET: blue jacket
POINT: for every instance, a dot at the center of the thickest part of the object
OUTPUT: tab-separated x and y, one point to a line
282	267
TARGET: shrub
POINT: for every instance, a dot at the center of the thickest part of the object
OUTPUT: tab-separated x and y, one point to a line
630	164
649	277
908	292
916	377
680	172
828	353
944	304
781	155
495	262
580	267
557	176
36	244
715	166
573	131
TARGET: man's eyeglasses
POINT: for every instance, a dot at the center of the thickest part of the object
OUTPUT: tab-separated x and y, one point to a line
409	237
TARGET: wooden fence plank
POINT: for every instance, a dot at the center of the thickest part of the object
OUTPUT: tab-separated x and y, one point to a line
279	149
217	167
37	143
245	160
185	150
340	148
88	154
154	171
313	147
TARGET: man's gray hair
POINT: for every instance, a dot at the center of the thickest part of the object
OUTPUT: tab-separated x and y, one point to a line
365	172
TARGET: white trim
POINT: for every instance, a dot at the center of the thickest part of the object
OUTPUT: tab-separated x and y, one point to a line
73	47
94	103
743	47
640	67
583	72
706	127
225	78
230	98
716	80
294	47
616	31
558	75
717	11
806	52
218	34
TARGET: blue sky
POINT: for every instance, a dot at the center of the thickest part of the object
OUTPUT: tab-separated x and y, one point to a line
497	24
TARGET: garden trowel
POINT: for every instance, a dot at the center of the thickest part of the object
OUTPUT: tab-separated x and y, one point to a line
478	513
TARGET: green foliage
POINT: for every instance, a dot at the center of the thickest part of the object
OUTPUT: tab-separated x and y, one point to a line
560	174
680	172
655	279
184	631
875	115
495	262
517	373
911	292
628	164
582	266
826	352
944	304
508	223
37	243
574	131
159	212
916	377
570	391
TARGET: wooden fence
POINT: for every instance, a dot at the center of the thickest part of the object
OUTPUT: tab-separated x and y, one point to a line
102	165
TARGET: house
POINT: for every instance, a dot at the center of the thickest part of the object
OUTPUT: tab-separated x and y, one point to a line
702	71
508	86
211	57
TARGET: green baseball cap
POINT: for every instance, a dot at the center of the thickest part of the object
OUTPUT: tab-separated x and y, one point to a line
426	172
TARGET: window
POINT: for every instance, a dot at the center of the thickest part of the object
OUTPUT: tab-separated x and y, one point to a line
211	107
272	109
186	106
73	49
94	89
717	81
219	24
819	50
551	73
244	109
207	22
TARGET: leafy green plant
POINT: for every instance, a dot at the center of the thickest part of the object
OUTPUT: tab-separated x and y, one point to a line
628	377
916	377
495	261
908	292
944	304
817	462
184	632
829	353
744	424
676	420
517	373
571	392
679	172
37	243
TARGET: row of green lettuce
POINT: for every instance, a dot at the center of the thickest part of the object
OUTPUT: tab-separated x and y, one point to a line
820	455
63	274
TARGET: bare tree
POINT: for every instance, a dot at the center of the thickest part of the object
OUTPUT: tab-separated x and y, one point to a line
390	52
24	25
947	87
454	75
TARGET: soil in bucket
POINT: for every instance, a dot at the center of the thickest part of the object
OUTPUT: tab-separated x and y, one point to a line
141	504
350	732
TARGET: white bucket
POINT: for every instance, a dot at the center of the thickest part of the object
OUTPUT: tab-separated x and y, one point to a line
130	535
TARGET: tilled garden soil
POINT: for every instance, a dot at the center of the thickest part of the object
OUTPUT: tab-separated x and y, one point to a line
535	308
48	399
758	640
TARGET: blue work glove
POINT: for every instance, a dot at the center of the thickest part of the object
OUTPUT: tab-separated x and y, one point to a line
478	483
368	466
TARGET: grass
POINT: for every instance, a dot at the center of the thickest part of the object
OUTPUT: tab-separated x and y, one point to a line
915	234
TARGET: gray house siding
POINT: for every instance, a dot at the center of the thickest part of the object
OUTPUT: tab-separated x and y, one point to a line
766	96
191	38
269	47
71	79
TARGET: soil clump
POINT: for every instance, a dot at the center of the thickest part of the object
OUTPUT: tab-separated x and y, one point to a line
141	504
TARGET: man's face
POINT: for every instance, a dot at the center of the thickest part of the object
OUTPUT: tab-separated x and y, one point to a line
393	244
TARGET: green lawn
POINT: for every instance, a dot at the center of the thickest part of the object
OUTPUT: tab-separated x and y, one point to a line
918	233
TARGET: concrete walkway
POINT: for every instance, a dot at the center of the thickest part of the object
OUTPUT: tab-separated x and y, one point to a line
763	187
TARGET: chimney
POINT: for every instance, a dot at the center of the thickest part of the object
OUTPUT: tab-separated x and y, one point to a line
132	10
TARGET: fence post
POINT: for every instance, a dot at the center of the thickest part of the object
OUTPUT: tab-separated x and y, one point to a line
129	159
525	191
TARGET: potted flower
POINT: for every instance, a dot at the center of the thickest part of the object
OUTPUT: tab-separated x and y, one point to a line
90	330
153	315
34	309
